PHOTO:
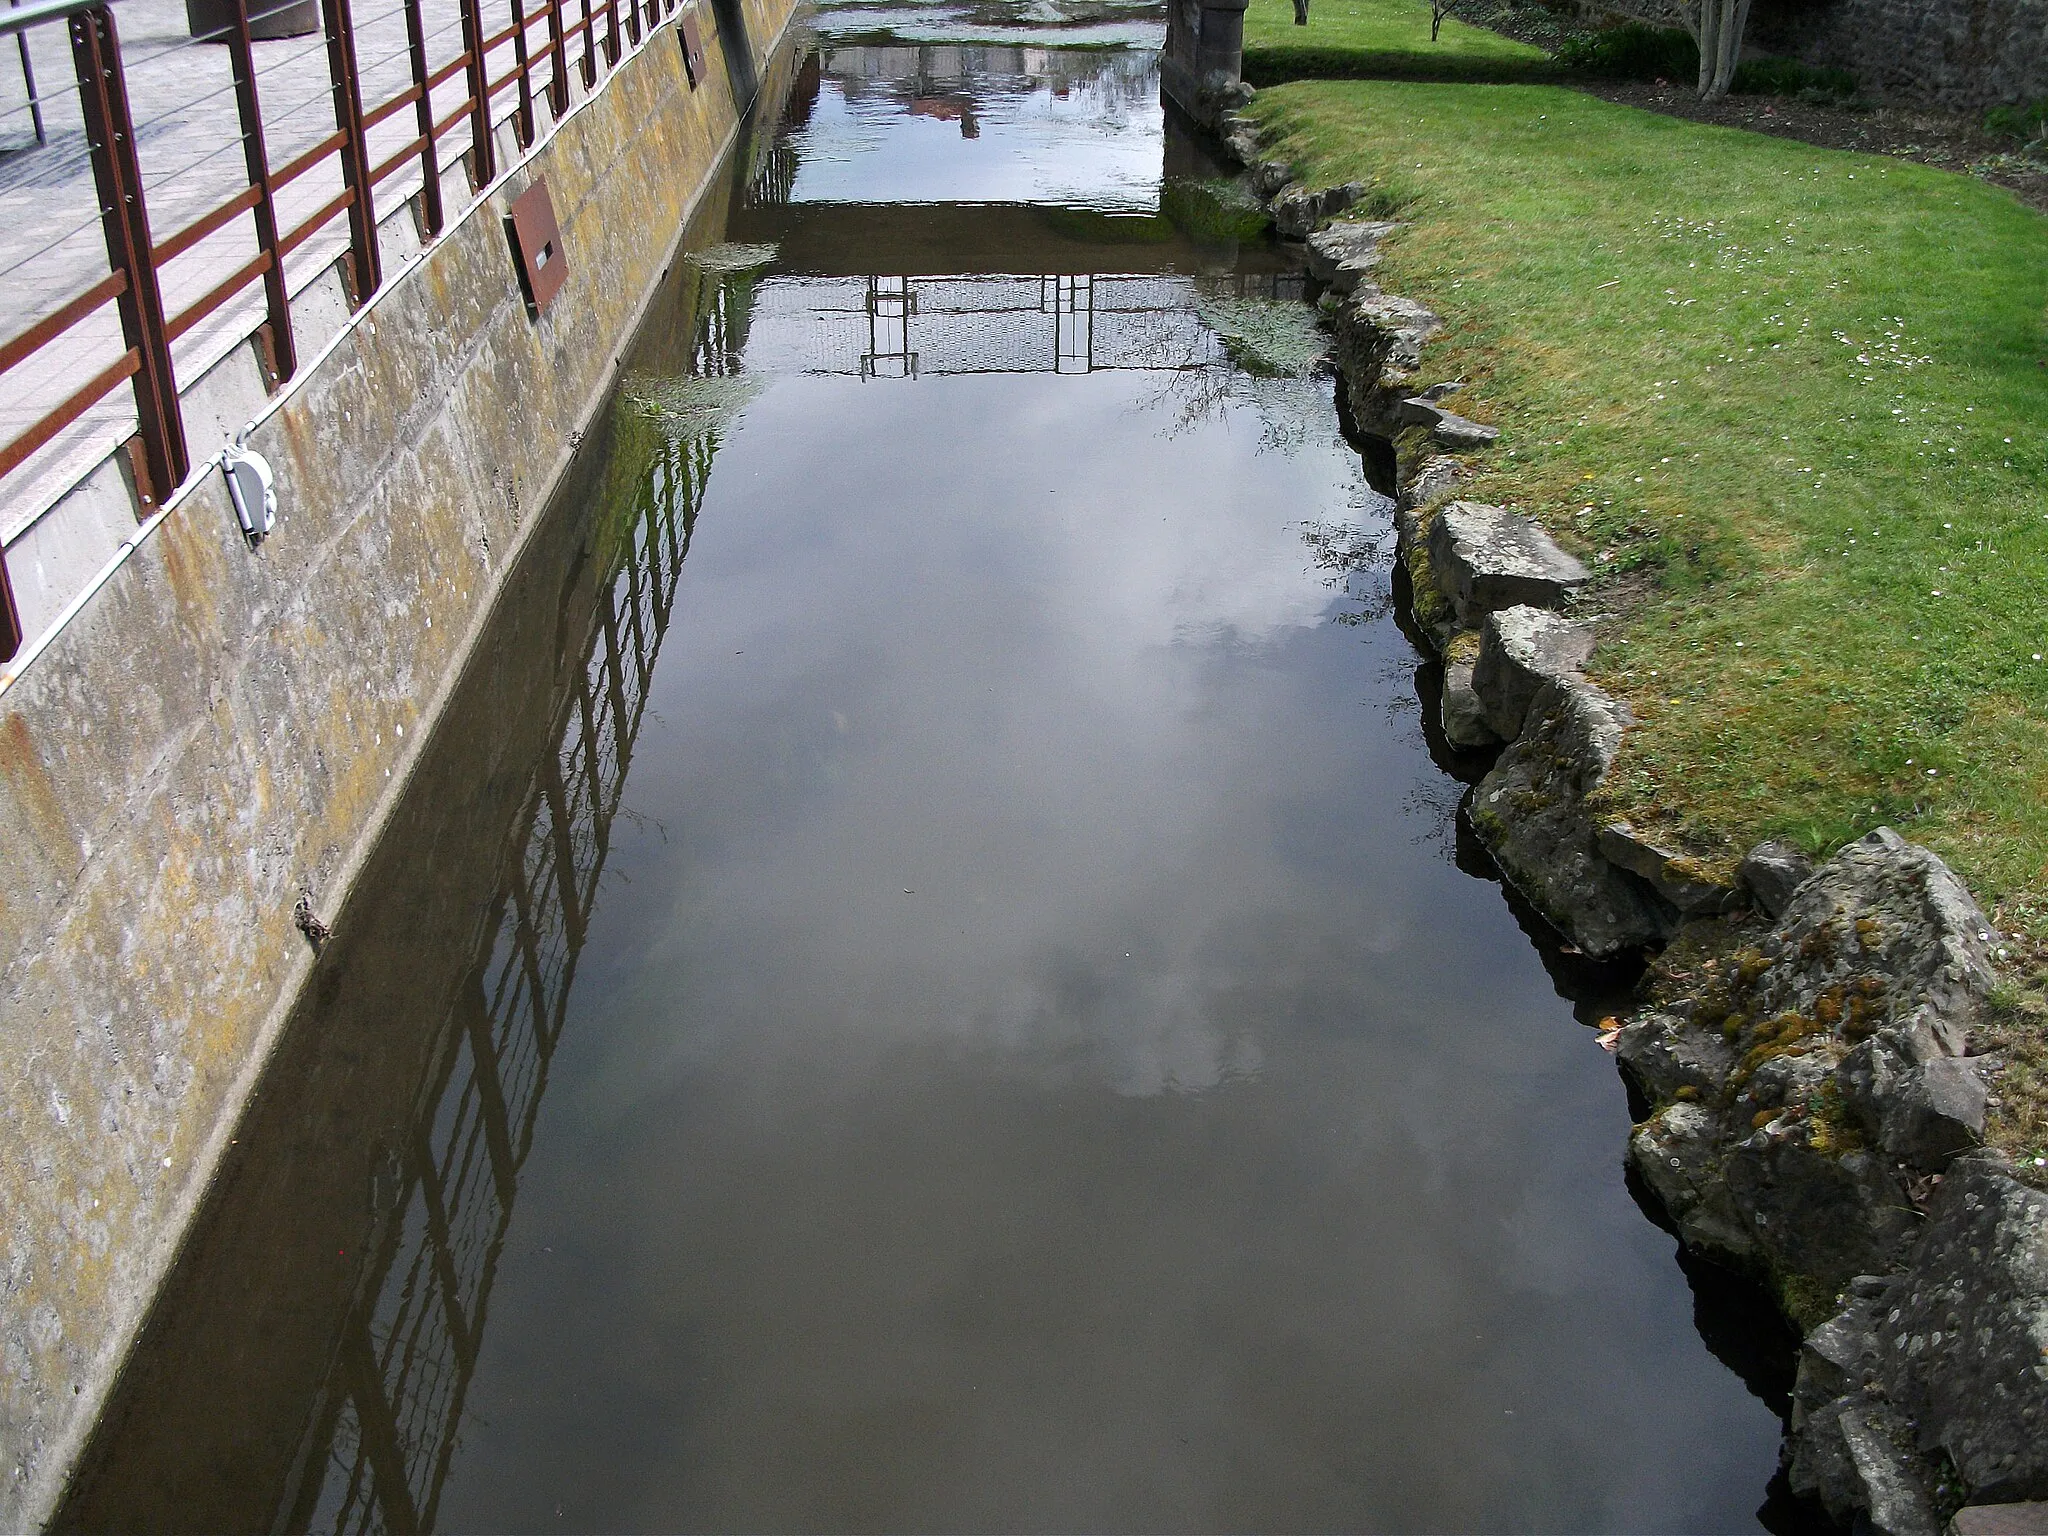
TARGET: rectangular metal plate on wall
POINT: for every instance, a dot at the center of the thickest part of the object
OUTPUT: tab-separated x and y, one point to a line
692	35
537	245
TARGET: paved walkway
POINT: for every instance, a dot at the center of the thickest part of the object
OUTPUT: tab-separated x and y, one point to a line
188	137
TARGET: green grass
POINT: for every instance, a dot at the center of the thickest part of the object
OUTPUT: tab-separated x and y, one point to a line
1376	39
1792	402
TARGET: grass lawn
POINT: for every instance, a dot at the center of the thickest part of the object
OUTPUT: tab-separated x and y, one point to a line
1792	402
1376	39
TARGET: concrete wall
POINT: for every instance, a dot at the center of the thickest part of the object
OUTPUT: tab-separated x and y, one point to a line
220	732
1964	55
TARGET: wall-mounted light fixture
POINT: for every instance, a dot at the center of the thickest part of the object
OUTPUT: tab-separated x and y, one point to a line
247	473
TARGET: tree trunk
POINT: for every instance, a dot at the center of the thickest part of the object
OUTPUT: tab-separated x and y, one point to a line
1709	39
1722	23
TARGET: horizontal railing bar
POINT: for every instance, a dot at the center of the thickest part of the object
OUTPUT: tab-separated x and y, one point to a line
397	160
82	400
200	228
293	169
315	224
221	292
458	115
448	71
377	115
51	326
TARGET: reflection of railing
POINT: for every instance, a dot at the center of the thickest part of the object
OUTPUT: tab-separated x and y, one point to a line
383	1431
898	327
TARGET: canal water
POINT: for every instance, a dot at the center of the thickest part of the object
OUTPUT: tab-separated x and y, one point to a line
931	980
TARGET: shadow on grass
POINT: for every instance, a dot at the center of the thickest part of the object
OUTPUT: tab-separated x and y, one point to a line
1278	64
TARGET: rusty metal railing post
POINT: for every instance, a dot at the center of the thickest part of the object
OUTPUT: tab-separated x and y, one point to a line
10	616
430	152
558	75
355	149
117	176
522	122
589	49
277	301
483	158
611	34
633	22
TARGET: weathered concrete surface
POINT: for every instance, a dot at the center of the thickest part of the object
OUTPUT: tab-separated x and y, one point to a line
221	732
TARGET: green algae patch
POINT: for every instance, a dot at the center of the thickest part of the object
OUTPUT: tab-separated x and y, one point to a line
732	256
689	408
1214	212
1269	338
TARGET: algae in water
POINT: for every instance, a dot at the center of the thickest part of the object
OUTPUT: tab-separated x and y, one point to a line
733	256
690	407
1270	338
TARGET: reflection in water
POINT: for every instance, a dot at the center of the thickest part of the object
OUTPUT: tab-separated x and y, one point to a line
902	327
385	1425
1070	127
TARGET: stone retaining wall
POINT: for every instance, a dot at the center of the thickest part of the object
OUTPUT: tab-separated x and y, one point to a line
216	739
1963	55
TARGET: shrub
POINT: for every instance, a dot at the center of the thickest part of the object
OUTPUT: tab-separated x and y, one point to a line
2027	124
1633	51
1789	77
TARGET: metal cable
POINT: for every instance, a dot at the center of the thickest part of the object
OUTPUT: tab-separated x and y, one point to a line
91	223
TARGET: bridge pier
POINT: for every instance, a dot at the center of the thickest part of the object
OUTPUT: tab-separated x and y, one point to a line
1201	68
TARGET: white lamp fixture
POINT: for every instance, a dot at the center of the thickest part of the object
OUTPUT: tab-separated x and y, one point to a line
249	488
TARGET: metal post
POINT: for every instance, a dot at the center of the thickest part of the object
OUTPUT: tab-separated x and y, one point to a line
430	152
522	123
277	301
10	616
633	22
611	34
28	82
483	159
355	149
110	130
558	74
589	48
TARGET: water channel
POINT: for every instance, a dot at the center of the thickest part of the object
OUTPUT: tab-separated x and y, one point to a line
930	978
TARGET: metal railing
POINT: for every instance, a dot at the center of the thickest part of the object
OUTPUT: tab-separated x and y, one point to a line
447	73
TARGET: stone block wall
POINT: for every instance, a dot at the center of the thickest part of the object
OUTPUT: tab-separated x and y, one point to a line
1961	55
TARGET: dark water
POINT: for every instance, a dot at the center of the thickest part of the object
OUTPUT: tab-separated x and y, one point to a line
930	980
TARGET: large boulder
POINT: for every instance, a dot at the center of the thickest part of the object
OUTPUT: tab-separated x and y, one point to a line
1889	910
1342	254
1463	716
1695	888
1488	558
1816	1214
1531	813
1677	1155
1380	337
1772	872
1520	649
1965	1342
1856	1457
1297	211
1667	1054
